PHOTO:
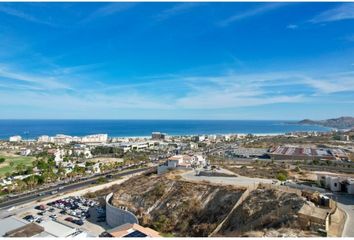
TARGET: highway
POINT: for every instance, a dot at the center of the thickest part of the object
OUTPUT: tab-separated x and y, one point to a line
63	188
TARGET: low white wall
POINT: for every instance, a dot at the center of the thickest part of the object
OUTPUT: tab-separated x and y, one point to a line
116	216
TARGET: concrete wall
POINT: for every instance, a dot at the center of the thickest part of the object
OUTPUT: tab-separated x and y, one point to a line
350	188
162	169
116	216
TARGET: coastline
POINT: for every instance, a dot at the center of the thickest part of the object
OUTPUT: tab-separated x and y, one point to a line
183	135
143	129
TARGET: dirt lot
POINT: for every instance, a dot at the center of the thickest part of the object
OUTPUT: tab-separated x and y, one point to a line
266	212
258	170
173	206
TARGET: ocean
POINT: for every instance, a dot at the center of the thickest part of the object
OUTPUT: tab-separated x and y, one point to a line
31	129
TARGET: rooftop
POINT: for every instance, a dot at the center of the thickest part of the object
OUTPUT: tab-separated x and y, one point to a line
132	230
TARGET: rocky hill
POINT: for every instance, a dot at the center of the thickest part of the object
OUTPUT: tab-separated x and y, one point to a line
177	207
265	210
188	209
340	123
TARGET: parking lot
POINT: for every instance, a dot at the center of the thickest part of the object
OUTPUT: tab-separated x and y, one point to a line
75	212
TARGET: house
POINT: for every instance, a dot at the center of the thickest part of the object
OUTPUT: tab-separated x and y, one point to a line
181	162
344	137
336	182
131	230
350	185
193	145
312	217
25	151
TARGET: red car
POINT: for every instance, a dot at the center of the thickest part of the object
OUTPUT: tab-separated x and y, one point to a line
69	219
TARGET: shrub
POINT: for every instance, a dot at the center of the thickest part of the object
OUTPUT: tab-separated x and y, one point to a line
2	160
281	176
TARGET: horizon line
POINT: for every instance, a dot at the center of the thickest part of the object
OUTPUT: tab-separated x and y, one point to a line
136	119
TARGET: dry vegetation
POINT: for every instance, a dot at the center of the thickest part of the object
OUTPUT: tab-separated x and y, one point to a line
264	211
177	207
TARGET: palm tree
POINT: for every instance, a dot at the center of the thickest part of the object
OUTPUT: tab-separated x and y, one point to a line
20	185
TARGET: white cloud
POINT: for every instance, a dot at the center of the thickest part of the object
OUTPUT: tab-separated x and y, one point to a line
292	26
109	9
344	11
177	9
25	16
40	81
334	83
251	13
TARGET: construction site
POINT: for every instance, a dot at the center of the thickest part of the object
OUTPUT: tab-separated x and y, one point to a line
177	206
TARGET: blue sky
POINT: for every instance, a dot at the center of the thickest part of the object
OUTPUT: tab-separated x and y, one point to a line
176	60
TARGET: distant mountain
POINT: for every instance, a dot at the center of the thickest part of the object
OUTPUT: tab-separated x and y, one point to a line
340	123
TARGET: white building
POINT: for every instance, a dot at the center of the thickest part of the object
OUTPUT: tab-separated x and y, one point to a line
193	145
61	139
15	138
97	138
181	162
44	139
344	137
25	152
65	139
337	182
58	156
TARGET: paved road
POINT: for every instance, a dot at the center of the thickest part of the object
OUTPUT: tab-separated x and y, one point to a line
34	196
346	202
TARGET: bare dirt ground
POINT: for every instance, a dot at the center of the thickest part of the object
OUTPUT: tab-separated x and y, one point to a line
266	212
106	160
174	206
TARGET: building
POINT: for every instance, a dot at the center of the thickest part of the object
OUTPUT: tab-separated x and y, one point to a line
15	138
312	217
97	138
158	136
301	153
15	227
181	162
25	151
344	137
193	145
65	139
350	185
336	182
131	230
28	230
44	139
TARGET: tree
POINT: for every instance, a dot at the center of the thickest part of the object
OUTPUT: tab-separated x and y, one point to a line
31	181
20	185
2	160
281	177
29	170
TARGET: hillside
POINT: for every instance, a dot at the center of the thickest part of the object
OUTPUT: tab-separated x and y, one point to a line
177	207
265	210
340	123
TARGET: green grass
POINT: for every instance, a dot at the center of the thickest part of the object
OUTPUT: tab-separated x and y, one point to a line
5	167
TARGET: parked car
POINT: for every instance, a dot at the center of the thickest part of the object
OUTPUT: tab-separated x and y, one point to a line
78	222
69	219
40	207
29	218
